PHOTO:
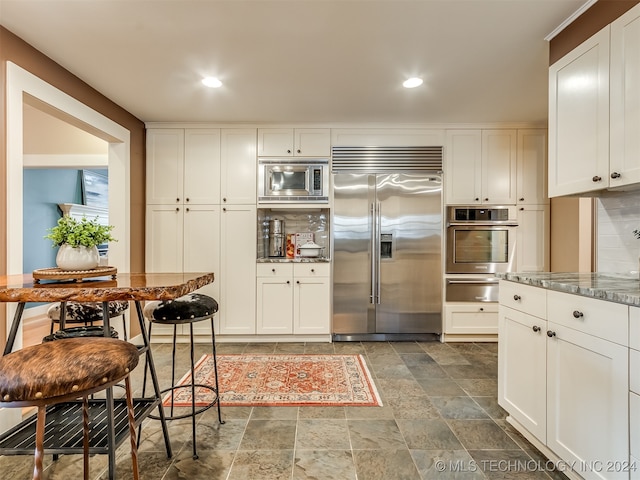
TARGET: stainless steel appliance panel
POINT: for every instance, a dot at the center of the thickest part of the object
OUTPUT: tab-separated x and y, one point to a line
480	248
387	254
353	255
472	289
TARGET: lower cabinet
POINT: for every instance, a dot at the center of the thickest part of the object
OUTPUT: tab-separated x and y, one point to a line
470	318
522	369
293	298
565	382
587	402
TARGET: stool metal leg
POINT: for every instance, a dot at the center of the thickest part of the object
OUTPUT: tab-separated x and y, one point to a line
193	394
85	436
154	378
215	369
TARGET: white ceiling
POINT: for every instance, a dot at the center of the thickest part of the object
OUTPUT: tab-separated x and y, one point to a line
320	61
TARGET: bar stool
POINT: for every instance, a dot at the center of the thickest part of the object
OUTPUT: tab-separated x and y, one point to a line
56	372
187	309
87	313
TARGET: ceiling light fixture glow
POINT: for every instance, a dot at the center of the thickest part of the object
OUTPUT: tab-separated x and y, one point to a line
212	82
412	82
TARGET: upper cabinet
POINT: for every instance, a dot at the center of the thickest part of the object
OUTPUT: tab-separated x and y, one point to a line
480	167
201	166
239	166
594	111
624	160
183	166
298	142
531	170
579	118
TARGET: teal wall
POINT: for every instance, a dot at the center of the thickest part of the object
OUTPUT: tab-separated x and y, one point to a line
43	190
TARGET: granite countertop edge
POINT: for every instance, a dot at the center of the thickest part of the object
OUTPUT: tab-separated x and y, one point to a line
294	260
613	287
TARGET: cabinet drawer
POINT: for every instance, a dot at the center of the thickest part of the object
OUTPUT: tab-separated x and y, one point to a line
634	425
634	371
471	318
311	269
274	270
524	298
602	319
634	328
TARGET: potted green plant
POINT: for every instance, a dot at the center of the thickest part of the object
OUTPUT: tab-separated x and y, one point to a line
78	241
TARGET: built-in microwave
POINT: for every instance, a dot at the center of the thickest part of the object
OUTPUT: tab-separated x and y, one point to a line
293	180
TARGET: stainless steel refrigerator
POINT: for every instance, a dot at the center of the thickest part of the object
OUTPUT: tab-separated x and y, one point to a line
387	260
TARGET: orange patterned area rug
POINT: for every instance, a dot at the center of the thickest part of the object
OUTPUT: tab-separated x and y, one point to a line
282	380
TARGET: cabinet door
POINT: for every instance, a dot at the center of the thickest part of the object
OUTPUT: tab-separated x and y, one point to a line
164	234
462	167
275	300
275	142
311	305
202	251
238	167
237	312
312	142
499	166
579	118
522	367
532	239
202	166
624	162
588	401
165	157
531	167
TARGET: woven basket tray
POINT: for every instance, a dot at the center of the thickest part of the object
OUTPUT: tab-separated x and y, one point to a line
58	274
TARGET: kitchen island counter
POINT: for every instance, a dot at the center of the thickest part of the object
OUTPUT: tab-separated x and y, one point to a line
613	287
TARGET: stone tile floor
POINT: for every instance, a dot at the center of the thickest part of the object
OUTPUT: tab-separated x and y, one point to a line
440	419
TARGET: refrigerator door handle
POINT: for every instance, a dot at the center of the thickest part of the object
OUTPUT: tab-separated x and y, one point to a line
372	218
377	242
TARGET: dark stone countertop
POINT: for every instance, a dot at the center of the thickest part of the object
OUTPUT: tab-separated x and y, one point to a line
613	287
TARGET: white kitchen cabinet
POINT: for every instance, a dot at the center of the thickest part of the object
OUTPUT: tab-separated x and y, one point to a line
499	166
532	238
586	367
470	318
239	167
480	167
531	169
183	166
237	309
522	369
275	298
184	239
299	142
311	299
579	118
587	401
293	298
624	160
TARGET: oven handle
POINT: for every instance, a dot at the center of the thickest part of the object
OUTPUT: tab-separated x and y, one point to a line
471	281
483	224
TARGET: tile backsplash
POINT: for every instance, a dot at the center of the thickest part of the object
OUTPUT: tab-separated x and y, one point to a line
295	221
618	214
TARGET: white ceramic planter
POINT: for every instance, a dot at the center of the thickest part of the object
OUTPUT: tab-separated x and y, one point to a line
77	258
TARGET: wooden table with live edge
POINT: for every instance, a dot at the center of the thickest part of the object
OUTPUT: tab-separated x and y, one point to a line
63	433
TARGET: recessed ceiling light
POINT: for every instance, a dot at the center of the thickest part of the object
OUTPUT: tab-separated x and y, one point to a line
412	82
212	82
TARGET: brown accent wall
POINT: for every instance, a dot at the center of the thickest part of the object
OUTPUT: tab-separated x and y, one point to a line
601	14
14	49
